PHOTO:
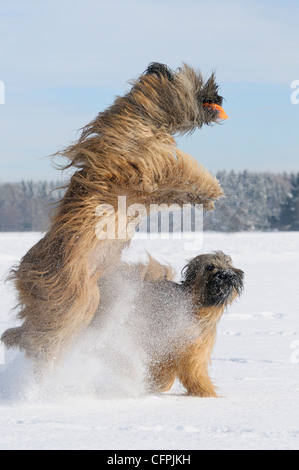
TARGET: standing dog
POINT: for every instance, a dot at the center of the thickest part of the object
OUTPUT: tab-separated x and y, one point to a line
210	283
128	150
173	326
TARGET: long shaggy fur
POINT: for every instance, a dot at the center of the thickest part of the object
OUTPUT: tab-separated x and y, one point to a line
174	324
210	283
128	150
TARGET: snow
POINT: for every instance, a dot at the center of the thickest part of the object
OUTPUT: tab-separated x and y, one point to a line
255	366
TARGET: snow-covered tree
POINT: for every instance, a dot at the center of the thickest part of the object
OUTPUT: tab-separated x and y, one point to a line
289	217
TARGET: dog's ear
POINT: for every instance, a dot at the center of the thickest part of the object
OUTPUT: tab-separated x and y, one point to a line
189	273
159	69
210	91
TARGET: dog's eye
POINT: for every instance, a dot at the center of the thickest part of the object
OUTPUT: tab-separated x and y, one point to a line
210	267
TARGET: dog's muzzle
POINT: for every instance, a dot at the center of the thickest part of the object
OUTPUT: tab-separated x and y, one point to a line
224	284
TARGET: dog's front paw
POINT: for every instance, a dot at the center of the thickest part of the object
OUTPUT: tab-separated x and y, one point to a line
203	394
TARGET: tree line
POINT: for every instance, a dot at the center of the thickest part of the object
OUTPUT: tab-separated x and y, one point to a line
254	201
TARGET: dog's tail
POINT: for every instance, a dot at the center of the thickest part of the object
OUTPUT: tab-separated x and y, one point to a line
151	270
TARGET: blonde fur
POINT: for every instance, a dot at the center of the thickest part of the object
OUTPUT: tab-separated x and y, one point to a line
128	150
150	270
190	363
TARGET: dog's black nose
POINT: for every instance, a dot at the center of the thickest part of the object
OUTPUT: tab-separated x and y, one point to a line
227	275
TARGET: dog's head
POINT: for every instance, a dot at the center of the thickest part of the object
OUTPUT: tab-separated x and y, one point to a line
213	280
186	96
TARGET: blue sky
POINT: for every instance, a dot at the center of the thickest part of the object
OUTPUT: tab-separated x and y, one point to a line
64	61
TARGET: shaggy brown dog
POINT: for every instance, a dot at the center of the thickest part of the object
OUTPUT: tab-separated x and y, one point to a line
173	326
128	150
210	283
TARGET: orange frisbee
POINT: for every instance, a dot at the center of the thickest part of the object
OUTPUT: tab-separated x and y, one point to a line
222	113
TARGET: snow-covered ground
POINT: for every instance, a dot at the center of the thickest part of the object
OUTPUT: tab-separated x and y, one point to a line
255	365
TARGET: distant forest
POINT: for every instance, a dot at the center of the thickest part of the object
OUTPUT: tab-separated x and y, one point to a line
254	202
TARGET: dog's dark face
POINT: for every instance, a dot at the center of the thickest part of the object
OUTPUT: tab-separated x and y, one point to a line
213	280
204	93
